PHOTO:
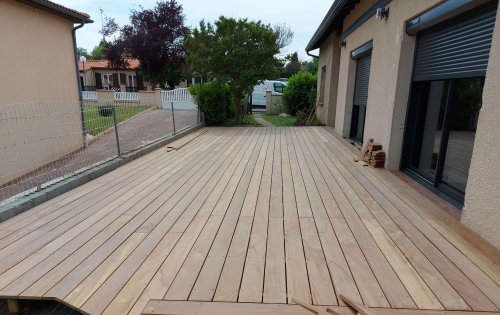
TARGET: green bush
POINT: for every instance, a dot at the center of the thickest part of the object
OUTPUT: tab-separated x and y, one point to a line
300	93
214	100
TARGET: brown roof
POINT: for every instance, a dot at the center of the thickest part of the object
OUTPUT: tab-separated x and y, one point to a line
133	64
72	14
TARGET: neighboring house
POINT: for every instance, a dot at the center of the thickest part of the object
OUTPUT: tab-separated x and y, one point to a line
98	75
38	42
423	79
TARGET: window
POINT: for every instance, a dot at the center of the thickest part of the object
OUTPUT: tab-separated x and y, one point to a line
131	81
279	87
322	86
107	80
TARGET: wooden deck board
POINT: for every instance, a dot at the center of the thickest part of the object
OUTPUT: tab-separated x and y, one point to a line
256	215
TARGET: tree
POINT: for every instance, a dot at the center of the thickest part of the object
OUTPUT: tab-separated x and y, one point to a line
292	65
237	52
99	51
83	52
310	65
155	37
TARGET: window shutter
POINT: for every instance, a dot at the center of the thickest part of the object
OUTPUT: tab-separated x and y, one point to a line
123	79
98	80
456	49
115	80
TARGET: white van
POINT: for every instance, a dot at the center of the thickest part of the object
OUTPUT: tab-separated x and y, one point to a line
258	98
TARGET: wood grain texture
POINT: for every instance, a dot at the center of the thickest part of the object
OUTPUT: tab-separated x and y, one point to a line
254	215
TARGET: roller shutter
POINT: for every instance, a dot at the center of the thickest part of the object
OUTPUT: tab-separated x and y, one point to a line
459	48
362	80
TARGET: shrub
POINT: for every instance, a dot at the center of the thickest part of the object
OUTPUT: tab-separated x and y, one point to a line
214	100
106	110
300	92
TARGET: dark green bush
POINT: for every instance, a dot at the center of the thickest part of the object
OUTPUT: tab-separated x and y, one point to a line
106	110
300	93
214	100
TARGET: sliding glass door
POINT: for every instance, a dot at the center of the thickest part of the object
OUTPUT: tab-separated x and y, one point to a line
442	126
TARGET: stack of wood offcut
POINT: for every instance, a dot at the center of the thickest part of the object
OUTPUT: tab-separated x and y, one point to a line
373	154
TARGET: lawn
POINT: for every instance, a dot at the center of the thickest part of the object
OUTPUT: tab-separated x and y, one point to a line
280	121
249	121
96	123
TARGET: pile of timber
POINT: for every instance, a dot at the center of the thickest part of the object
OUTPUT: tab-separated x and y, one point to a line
373	154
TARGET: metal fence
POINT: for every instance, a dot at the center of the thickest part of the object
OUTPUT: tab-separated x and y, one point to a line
46	142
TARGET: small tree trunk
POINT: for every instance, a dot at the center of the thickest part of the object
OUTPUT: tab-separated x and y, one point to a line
239	112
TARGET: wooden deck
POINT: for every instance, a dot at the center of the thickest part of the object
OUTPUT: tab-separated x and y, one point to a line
256	215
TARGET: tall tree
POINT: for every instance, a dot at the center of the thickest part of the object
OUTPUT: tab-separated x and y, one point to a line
83	52
292	65
98	52
237	52
155	37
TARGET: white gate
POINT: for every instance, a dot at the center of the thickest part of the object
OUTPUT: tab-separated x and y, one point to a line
179	98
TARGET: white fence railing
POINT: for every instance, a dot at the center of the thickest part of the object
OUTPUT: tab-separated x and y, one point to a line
178	98
127	96
89	95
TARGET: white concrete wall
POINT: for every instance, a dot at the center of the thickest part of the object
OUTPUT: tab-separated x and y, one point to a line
482	198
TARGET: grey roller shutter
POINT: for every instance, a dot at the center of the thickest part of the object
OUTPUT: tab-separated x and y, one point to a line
362	80
456	49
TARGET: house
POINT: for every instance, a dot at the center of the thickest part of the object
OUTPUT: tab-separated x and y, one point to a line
38	42
423	79
98	74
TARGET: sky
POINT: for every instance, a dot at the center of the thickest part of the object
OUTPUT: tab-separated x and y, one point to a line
303	17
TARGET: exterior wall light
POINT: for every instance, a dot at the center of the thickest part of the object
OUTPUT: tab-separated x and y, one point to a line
382	14
342	43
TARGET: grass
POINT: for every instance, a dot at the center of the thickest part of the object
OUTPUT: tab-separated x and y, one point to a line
249	121
96	123
280	121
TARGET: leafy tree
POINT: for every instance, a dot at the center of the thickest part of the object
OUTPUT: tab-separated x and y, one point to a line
98	51
237	52
155	37
310	65
292	65
83	52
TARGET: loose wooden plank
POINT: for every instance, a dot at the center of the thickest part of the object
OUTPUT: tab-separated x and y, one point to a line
163	307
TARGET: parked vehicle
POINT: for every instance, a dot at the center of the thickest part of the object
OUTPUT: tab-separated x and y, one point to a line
258	97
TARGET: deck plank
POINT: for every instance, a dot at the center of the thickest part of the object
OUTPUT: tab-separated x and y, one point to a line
254	215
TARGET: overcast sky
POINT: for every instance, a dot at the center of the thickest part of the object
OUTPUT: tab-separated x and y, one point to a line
303	17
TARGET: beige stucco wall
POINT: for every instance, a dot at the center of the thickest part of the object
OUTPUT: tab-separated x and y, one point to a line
390	77
38	89
330	57
482	198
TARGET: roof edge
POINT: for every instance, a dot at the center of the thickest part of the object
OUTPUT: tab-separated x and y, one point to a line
327	20
55	8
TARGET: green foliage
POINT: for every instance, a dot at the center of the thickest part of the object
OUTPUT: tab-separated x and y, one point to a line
83	52
214	99
300	94
292	66
99	50
280	121
239	52
310	65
